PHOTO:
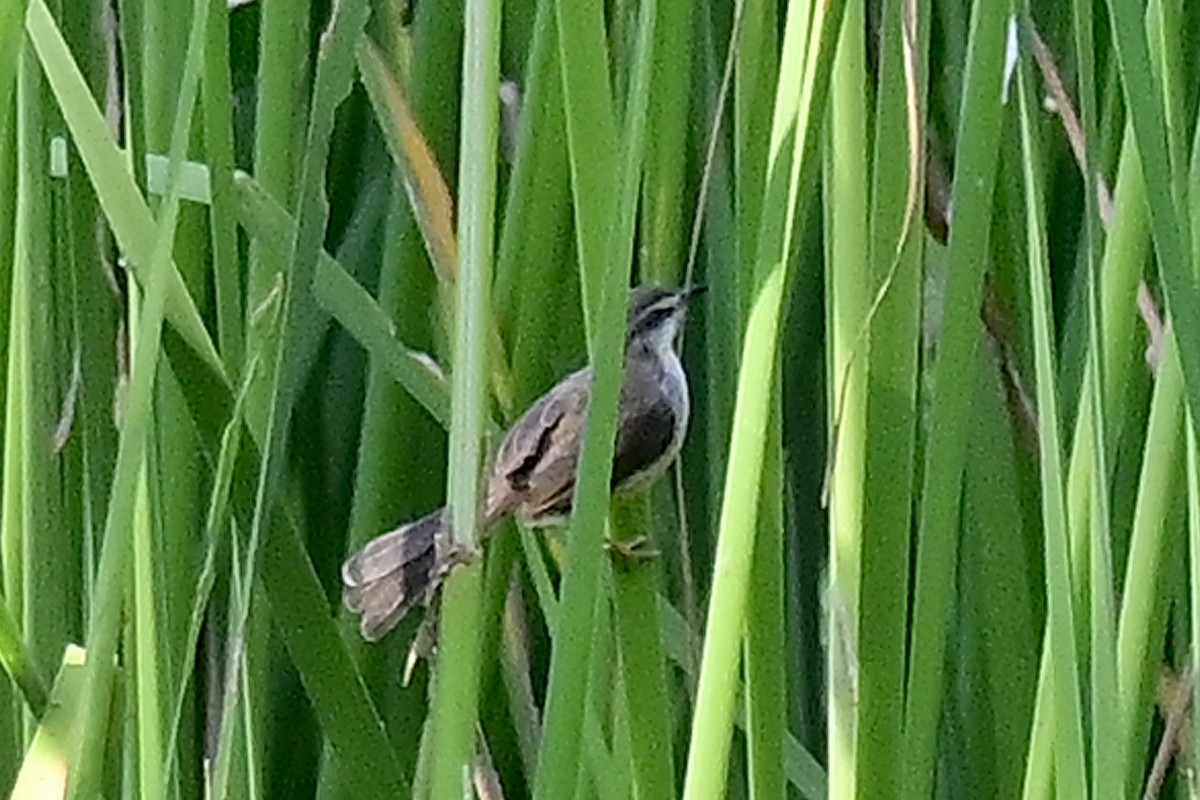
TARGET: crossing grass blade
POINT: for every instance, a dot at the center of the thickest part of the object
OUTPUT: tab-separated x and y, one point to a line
87	761
119	197
345	299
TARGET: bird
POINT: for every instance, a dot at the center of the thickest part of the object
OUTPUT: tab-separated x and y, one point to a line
532	476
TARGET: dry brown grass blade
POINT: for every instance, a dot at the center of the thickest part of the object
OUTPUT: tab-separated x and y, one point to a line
427	190
1021	409
428	194
1175	705
916	127
1155	328
1063	106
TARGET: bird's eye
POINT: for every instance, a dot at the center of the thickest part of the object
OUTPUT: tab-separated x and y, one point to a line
656	317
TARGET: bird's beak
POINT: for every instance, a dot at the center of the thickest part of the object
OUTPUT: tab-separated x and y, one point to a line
695	290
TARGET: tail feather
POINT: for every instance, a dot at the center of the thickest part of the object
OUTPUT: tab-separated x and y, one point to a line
394	572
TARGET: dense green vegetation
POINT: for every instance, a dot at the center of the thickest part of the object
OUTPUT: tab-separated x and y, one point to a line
277	275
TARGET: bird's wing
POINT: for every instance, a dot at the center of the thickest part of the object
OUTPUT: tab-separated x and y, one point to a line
534	469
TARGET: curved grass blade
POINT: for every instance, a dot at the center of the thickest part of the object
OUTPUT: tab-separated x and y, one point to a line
428	194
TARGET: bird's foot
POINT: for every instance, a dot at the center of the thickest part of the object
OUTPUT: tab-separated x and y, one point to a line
631	552
448	554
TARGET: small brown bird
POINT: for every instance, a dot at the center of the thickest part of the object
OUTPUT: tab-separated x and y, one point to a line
533	474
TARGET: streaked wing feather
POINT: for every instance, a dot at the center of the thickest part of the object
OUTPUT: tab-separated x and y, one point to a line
536	463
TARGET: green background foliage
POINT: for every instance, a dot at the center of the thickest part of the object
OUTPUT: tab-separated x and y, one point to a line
277	274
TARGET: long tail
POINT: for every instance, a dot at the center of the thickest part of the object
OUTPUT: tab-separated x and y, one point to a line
396	571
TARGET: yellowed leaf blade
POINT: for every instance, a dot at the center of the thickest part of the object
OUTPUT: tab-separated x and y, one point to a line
427	190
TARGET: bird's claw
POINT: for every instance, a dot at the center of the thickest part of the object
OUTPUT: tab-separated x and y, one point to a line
631	552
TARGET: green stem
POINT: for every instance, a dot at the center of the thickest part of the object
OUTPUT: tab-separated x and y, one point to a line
455	699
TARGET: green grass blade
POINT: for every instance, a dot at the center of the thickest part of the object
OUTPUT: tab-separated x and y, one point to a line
663	220
119	197
217	522
807	52
848	297
1143	618
457	687
218	148
1069	759
23	447
1193	488
152	534
11	14
643	677
44	770
1172	239
19	666
713	721
1107	750
533	258
1193	465
586	87
755	77
281	110
765	641
298	604
996	581
592	140
953	385
105	618
890	461
287	348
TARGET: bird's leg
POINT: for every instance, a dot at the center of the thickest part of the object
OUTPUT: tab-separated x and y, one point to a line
424	643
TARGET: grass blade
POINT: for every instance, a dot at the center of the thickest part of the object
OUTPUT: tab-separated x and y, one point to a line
953	385
119	197
457	687
1071	779
807	53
